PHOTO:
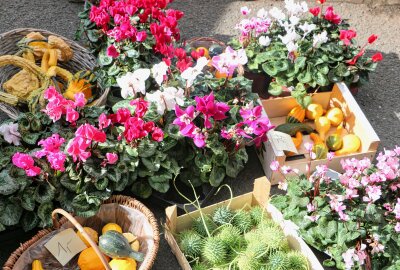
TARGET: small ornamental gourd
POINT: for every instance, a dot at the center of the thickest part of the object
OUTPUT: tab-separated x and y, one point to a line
92	234
351	144
296	115
115	245
319	148
111	226
314	111
322	126
123	264
334	141
293	128
335	115
88	260
37	265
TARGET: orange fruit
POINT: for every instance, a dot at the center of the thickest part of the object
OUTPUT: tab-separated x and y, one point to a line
92	233
111	227
206	53
220	75
88	260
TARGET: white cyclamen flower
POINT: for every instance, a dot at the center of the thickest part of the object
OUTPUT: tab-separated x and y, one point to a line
191	73
264	41
292	47
320	39
262	13
10	133
277	14
307	28
291	36
167	99
159	71
294	20
295	8
132	83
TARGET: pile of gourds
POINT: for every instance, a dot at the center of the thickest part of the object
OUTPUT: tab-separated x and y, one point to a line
122	248
28	85
295	126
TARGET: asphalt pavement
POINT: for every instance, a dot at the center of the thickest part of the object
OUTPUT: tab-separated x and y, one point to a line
379	100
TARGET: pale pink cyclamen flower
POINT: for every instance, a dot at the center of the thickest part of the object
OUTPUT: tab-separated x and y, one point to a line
373	194
308	146
274	166
245	10
80	100
396	210
112	158
10	133
313	218
283	185
311	207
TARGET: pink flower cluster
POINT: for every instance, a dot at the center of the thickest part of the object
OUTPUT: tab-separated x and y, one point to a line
117	20
254	126
135	127
253	27
208	109
58	105
51	150
228	61
331	16
26	162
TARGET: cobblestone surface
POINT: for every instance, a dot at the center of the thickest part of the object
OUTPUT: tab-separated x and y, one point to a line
379	100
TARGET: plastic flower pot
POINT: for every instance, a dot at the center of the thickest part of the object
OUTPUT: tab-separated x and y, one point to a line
260	84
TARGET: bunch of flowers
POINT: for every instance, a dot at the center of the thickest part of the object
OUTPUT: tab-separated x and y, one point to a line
129	34
311	46
354	218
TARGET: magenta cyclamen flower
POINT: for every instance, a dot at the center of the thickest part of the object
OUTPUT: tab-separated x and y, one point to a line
26	162
57	161
57	105
77	149
104	121
89	132
210	108
112	158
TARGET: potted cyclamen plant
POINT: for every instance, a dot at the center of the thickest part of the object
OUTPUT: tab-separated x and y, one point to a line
211	119
304	47
355	217
128	35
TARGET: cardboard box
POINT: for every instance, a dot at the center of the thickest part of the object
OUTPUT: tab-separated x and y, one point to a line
354	122
259	196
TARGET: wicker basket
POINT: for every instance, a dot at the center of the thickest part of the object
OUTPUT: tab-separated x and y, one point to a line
81	60
205	42
117	199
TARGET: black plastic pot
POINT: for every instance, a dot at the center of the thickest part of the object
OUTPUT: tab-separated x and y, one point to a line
260	84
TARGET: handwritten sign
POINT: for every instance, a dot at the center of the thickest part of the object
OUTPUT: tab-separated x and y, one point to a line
65	245
282	141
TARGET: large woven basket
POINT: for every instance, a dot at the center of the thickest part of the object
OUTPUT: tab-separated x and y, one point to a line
124	201
81	60
205	42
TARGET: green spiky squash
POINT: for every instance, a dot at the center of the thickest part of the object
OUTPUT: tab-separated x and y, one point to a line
222	215
297	261
200	266
198	226
257	214
274	239
248	261
190	243
214	251
242	221
230	236
278	261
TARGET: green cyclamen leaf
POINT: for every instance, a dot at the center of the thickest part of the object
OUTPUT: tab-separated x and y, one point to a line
142	189
44	193
44	213
217	175
8	185
28	199
29	220
11	214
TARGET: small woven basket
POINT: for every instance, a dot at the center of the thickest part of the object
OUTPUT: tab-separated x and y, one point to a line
81	60
123	201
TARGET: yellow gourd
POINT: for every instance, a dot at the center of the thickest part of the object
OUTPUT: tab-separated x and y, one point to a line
123	264
314	111
135	245
111	227
351	144
322	126
37	265
296	115
319	147
92	233
335	115
88	260
298	139
334	141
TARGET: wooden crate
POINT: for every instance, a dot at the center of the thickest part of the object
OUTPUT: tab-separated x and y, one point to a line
355	122
259	196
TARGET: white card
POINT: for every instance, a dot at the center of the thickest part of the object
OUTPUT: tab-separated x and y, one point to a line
282	141
65	245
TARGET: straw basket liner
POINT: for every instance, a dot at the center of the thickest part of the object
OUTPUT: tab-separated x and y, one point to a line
68	221
81	60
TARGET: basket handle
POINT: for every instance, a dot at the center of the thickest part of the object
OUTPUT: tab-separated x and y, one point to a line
81	230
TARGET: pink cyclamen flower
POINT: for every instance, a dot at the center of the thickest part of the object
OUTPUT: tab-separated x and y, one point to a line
112	158
141	106
315	11
396	210
52	144
377	57
104	122
112	51
141	36
71	116
331	16
157	134
57	161
311	207
373	194
26	162
274	166
199	138
80	100
372	39
313	218
77	149
210	108
346	36
245	10
397	227
308	146
89	132
282	185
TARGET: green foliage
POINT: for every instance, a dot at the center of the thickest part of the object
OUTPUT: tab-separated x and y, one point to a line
190	243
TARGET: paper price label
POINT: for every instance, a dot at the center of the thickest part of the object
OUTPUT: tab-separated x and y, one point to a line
282	141
65	245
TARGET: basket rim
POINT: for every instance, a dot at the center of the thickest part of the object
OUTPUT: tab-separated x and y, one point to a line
119	199
210	39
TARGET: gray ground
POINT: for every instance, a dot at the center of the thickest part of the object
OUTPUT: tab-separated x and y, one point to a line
379	100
